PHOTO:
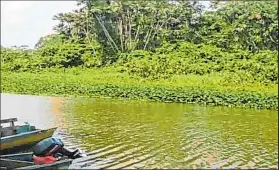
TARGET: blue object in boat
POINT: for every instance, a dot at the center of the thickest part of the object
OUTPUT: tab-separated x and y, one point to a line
32	128
23	129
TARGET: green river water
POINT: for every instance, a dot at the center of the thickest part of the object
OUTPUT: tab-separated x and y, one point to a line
136	134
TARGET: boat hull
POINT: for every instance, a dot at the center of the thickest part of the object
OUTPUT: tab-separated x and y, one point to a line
25	161
64	164
12	143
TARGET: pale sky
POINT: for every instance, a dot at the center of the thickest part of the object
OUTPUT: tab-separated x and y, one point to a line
25	22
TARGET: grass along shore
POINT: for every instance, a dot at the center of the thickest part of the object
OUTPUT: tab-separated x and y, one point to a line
211	89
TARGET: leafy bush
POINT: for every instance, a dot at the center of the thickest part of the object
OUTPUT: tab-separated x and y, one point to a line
58	55
188	58
104	83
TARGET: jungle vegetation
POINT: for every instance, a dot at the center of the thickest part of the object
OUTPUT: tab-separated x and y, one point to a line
162	50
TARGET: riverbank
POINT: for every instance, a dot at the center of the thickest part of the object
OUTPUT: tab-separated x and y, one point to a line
109	82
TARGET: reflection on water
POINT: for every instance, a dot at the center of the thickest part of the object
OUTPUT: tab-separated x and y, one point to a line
59	120
33	109
134	134
157	135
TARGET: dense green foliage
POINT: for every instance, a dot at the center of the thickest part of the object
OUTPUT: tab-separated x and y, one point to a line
157	41
110	83
187	58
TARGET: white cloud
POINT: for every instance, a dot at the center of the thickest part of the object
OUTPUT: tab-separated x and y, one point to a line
24	22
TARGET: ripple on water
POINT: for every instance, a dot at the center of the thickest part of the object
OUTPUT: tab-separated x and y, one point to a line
154	135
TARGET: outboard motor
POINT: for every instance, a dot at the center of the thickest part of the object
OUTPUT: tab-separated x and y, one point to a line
71	154
47	147
54	147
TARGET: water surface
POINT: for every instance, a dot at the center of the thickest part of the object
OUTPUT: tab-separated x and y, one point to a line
137	134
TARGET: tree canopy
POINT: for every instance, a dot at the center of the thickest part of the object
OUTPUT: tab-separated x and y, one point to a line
154	38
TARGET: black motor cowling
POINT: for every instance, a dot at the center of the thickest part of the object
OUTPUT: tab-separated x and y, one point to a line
49	146
54	147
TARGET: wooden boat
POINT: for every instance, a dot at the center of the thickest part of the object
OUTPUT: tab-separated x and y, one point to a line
12	141
25	161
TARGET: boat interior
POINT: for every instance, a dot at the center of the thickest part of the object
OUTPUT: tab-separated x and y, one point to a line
10	130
